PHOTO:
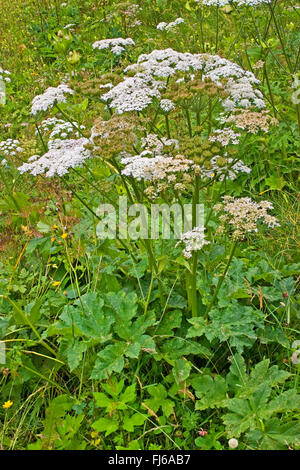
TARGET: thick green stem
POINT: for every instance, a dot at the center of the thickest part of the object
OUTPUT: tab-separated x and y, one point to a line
153	265
194	285
195	201
188	118
221	279
151	257
288	61
168	126
193	292
149	294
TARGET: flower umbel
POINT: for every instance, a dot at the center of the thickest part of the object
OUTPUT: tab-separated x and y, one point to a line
194	240
243	214
61	156
48	99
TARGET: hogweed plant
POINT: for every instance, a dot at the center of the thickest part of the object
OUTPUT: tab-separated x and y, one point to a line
176	131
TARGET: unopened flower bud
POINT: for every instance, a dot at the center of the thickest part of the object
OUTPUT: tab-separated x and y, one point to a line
233	443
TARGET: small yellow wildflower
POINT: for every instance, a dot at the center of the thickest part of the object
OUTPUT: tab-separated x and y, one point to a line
24	228
64	236
7	404
94	434
52	239
55	227
55	283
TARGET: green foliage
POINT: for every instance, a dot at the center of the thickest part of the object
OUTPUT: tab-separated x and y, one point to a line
116	398
235	324
251	403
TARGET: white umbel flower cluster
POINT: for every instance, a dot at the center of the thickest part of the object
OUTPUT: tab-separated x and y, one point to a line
116	45
168	26
60	129
61	156
48	124
241	93
225	137
63	130
153	168
167	105
10	147
136	93
193	240
243	215
167	62
5	75
48	99
133	94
